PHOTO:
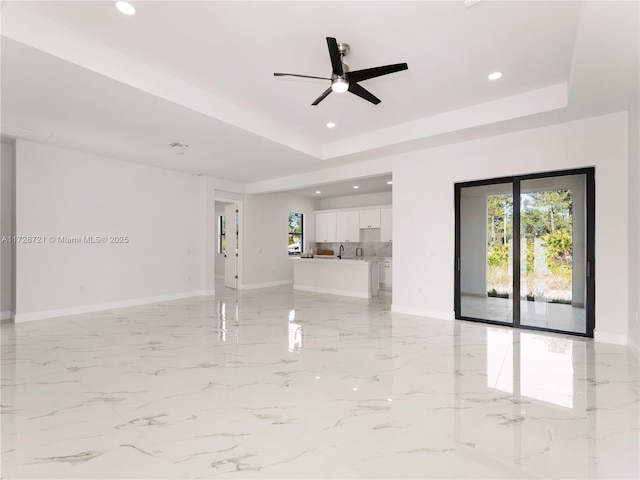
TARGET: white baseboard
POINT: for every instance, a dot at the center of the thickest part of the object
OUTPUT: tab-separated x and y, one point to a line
97	307
420	312
253	286
332	291
8	315
607	337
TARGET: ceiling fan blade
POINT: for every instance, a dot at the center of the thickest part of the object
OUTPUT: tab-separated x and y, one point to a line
367	73
322	97
334	53
296	75
363	93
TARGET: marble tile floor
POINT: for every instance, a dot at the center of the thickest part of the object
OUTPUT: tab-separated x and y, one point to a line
279	384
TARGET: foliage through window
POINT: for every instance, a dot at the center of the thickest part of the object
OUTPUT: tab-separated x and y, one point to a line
546	223
295	233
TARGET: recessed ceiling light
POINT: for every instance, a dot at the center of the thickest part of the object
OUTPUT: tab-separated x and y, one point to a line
126	8
331	125
495	76
470	3
318	192
356	187
389	182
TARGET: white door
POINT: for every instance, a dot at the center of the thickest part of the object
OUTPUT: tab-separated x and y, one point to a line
231	250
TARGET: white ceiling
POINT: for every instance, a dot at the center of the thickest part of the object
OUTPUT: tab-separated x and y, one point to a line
366	185
84	76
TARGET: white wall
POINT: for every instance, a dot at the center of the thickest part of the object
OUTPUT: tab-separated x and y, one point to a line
364	200
67	193
207	235
473	237
266	259
423	201
634	227
6	229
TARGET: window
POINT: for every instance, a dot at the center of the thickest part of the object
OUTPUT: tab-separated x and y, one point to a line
222	239
295	233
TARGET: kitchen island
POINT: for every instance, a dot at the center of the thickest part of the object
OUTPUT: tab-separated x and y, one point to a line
350	277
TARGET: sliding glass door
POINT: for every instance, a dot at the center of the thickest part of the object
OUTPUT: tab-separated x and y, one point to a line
486	252
537	249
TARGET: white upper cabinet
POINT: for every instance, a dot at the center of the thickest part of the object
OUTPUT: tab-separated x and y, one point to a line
386	225
326	227
347	226
370	218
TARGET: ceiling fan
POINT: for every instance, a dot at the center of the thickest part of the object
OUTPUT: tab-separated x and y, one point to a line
342	80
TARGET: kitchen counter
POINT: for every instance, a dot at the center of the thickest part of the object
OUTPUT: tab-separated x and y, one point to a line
351	277
343	259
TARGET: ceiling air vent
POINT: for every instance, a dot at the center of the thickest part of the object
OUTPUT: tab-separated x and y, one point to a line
470	3
180	148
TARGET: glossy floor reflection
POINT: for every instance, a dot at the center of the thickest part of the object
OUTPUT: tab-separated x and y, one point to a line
276	384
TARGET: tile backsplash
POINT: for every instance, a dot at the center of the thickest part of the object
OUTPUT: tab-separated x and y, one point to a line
369	249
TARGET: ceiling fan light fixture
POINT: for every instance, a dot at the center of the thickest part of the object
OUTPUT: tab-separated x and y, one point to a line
340	85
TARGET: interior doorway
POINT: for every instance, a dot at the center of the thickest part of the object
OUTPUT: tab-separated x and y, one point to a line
228	240
525	251
231	247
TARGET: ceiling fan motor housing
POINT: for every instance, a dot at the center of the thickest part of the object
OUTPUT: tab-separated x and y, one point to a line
344	49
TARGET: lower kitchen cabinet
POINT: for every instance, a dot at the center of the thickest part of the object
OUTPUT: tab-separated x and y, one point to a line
385	274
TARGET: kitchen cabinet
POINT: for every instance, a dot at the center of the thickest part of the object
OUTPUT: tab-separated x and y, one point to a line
326	227
385	273
370	218
347	226
386	225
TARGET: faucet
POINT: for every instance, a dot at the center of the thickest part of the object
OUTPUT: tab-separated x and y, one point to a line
340	251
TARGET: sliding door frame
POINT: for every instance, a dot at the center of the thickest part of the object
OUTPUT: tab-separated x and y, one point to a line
590	270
